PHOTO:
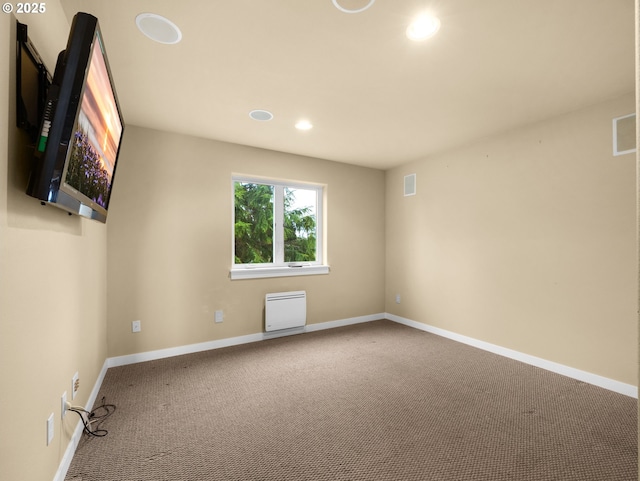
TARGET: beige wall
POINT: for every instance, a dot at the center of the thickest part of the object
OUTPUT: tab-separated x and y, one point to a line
526	240
52	287
169	242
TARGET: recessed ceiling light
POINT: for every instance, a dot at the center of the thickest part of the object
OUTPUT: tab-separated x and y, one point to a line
261	115
423	27
158	28
304	125
353	10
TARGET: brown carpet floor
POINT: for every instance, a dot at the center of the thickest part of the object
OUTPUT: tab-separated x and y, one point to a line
373	401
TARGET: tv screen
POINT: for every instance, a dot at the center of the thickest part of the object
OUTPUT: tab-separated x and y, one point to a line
82	128
96	135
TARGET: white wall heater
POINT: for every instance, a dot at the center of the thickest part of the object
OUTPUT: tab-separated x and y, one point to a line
284	310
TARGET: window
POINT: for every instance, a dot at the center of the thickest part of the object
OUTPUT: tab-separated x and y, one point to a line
277	228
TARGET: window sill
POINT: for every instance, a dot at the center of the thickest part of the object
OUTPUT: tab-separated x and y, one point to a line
286	271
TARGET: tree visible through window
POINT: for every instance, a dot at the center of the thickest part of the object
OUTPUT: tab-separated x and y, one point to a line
253	223
275	224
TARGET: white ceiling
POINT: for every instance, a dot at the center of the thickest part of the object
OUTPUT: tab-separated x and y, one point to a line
375	98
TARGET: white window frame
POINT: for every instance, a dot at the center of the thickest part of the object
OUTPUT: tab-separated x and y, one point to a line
279	268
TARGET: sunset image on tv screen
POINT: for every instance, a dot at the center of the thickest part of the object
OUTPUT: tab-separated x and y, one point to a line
97	135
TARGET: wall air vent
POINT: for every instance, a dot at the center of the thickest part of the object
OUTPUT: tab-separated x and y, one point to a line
624	134
409	185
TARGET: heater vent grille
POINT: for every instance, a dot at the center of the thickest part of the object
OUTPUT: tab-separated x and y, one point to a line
285	310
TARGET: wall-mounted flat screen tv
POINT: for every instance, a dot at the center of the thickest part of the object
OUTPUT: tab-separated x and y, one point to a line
82	128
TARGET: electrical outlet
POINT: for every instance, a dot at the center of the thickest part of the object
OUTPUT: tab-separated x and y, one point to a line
63	405
136	326
75	385
50	429
219	316
397	298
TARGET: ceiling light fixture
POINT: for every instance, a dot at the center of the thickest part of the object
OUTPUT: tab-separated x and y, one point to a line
304	125
423	27
158	28
261	115
355	10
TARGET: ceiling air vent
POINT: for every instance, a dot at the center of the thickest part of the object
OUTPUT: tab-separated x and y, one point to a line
410	184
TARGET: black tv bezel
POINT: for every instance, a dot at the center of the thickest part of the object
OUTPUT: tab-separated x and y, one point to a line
63	103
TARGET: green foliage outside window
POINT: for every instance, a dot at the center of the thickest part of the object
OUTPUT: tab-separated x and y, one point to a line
254	226
299	231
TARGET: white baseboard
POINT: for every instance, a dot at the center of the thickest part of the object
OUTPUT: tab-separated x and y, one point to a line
321	326
584	376
234	341
344	322
77	432
180	350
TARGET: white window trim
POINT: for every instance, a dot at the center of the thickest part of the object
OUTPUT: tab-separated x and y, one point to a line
258	272
286	269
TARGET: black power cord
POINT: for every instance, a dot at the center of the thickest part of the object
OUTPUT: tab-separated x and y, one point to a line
95	417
